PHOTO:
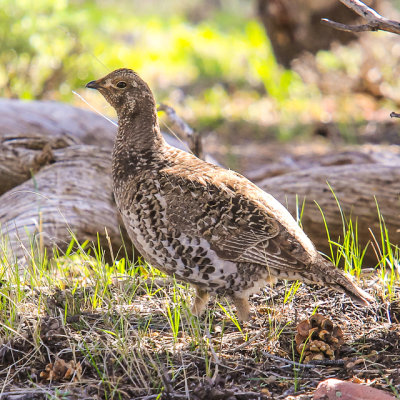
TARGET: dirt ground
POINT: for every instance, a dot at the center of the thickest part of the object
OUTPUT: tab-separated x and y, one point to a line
216	360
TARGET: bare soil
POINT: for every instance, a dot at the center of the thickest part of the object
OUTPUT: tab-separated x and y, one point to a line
222	362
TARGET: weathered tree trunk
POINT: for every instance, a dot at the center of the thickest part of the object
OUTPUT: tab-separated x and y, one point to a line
356	188
30	131
294	26
22	157
73	194
53	121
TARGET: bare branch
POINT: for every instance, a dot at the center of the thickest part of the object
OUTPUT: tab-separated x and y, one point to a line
191	137
375	21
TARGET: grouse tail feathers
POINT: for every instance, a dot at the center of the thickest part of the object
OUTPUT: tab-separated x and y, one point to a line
337	280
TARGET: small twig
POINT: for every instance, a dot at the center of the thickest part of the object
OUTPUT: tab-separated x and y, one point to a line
245	344
311	364
182	126
214	356
179	126
254	395
337	363
156	396
348	28
285	360
27	393
166	379
375	21
185	380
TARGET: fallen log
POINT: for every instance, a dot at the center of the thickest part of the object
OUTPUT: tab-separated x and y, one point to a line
23	156
72	197
54	120
359	188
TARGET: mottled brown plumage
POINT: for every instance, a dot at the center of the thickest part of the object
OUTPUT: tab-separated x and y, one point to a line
206	225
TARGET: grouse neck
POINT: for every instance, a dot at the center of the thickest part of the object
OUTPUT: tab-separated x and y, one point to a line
138	146
138	130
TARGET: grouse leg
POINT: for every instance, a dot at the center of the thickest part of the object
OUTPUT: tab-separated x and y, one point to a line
242	307
200	301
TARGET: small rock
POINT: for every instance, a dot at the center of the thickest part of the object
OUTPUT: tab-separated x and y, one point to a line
335	389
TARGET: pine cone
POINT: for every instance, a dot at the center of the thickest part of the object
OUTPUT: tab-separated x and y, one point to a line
62	371
318	338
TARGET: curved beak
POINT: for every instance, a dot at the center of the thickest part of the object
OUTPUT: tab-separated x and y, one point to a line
92	85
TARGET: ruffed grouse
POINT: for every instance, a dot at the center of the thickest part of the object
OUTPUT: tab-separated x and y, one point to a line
204	224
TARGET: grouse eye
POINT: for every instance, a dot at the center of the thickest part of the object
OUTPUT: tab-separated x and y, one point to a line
121	85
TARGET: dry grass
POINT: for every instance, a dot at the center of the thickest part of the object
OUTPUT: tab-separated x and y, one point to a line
125	331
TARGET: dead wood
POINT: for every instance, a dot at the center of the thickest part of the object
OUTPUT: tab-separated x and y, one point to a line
73	194
30	131
287	161
179	127
375	21
356	188
54	120
22	156
52	184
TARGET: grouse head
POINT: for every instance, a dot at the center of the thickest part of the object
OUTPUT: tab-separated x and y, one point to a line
125	91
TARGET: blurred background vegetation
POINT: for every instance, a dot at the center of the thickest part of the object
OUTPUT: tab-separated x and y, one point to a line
211	60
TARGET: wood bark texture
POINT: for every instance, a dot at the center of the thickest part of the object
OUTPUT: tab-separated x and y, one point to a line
73	194
22	156
374	21
54	121
356	188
